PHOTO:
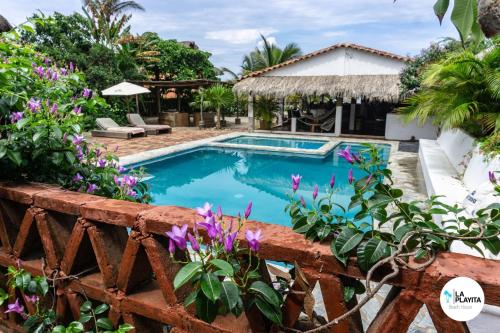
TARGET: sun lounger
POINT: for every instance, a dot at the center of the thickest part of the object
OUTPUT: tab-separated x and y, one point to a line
136	120
110	129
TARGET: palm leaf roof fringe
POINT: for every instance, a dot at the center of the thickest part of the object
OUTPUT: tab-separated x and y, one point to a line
380	88
4	24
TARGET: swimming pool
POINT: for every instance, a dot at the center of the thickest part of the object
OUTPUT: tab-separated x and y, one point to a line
276	142
233	177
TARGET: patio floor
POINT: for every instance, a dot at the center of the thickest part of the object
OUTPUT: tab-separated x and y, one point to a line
137	145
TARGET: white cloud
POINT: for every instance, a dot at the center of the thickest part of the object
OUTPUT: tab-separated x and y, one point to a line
238	36
331	34
271	40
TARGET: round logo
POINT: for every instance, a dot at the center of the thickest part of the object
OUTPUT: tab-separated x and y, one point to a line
462	299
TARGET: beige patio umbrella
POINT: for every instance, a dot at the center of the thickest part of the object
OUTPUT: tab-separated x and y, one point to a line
126	89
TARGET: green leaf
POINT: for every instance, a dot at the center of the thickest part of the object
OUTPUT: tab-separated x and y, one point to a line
440	8
104	323
340	257
269	311
400	232
463	16
266	292
348	240
101	309
186	273
211	286
348	293
15	157
206	309
20	124
371	252
84	317
223	266
86	306
190	298
229	294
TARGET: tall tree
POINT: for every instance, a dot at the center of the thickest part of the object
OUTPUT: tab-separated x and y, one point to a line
107	19
269	55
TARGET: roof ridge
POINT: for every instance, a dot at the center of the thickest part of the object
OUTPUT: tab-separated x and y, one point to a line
326	50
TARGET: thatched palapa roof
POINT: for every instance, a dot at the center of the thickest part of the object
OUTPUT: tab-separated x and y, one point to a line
384	88
4	24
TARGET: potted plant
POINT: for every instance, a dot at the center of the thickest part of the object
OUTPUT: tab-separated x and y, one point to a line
218	97
265	107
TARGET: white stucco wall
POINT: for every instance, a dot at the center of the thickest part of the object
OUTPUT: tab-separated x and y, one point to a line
458	146
396	129
342	61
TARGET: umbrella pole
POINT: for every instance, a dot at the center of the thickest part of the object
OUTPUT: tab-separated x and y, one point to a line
137	102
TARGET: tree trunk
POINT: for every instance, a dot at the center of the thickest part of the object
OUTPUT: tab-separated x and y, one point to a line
488	15
218	118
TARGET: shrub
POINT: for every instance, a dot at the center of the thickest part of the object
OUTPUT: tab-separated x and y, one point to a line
43	110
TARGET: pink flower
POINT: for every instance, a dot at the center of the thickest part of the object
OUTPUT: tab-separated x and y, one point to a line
178	235
315	192
15	307
302	201
205	211
296	182
77	178
15	117
229	242
219	212
332	181
253	239
350	177
32	298
346	154
491	176
87	93
248	210
194	242
77	110
91	188
78	139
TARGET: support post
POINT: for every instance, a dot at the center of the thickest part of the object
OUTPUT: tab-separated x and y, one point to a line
281	113
352	114
251	119
338	116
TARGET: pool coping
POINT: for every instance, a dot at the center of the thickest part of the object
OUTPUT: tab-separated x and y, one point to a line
149	155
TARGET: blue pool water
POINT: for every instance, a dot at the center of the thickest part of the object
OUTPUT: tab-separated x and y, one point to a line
233	177
276	142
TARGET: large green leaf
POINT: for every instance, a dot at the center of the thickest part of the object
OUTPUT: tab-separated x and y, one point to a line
211	286
229	294
347	240
266	292
371	252
186	273
223	266
206	309
463	16
269	311
440	8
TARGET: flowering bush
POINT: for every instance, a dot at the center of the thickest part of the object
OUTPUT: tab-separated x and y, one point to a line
224	275
43	110
34	290
386	228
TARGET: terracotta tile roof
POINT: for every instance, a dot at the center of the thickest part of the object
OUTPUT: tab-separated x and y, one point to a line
326	50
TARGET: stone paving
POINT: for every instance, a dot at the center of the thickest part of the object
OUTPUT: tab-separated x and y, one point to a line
179	135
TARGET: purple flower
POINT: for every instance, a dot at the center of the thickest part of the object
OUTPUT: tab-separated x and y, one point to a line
77	110
248	210
46	61
15	117
253	239
34	105
229	242
40	71
64	71
171	246
87	93
178	235
132	193
350	177
130	180
78	139
117	180
332	181
77	178
55	76
54	108
101	163
346	154
98	152
296	182
491	176
219	212
302	201
315	192
71	66
211	226
91	188
205	211
32	298
121	169
15	307
79	154
194	242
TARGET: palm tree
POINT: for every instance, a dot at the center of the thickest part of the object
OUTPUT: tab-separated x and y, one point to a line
269	55
108	18
218	97
462	90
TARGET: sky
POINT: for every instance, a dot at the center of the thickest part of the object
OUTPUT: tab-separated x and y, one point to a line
228	29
